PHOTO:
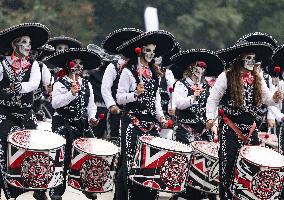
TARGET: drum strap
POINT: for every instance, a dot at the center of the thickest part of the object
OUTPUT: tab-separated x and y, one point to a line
238	131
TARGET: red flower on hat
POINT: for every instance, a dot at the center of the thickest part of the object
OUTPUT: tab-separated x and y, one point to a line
202	64
138	50
277	69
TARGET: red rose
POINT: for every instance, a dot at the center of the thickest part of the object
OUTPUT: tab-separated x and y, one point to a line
72	65
277	69
101	116
202	64
138	50
171	90
221	112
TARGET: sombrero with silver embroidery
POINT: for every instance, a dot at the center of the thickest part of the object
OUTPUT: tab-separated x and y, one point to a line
71	42
261	49
182	60
101	52
38	33
117	37
44	51
163	40
259	37
167	58
91	59
278	56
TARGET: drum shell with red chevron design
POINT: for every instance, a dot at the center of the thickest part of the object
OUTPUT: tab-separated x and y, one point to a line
204	167
35	159
159	167
258	174
90	170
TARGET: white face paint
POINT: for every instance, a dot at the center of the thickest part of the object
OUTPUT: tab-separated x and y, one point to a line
158	60
61	47
198	72
249	61
22	46
149	52
78	68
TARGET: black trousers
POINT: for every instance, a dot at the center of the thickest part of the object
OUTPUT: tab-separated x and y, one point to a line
125	189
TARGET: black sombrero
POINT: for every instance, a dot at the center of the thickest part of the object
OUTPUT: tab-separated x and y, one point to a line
163	39
167	58
60	59
259	37
38	33
262	50
44	51
182	60
117	37
278	56
71	42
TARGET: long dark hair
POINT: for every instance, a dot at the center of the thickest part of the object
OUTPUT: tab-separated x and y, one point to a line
235	85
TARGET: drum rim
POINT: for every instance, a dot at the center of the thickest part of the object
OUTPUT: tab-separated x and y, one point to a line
258	165
167	191
170	150
92	153
203	152
32	149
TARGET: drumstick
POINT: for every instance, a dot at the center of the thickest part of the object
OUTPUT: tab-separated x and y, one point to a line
72	66
171	90
277	71
138	51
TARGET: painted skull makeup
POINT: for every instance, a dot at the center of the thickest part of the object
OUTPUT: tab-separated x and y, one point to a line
149	52
249	61
198	72
78	68
22	46
61	47
158	60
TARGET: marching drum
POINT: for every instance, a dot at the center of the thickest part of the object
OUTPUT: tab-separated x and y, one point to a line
258	174
204	167
35	159
161	164
93	165
268	140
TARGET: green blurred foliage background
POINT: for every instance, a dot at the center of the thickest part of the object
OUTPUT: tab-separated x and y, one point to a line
211	24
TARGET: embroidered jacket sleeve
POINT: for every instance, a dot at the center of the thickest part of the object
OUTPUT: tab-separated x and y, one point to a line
107	82
215	96
170	83
45	76
182	101
34	79
61	96
126	87
92	108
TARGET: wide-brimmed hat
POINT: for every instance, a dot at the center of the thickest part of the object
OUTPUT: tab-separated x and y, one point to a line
163	40
102	53
44	51
258	37
167	58
182	60
262	50
278	58
38	33
62	58
71	42
117	37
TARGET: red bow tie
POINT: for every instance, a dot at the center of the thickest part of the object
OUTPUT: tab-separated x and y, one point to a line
19	63
248	78
145	71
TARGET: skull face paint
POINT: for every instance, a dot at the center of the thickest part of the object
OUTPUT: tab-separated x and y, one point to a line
61	47
149	52
198	72
22	46
78	68
249	61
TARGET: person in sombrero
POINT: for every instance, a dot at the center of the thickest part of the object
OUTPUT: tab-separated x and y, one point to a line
190	94
240	91
138	92
112	74
19	77
73	101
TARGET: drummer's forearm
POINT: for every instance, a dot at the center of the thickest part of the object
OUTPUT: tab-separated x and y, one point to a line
62	100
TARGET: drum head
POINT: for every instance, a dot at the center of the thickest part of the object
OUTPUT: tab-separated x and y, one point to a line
205	147
262	156
167	144
95	146
36	139
46	126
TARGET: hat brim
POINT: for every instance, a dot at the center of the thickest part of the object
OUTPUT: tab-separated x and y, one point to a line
259	37
163	40
38	33
90	59
262	50
182	60
71	42
278	56
116	38
167	58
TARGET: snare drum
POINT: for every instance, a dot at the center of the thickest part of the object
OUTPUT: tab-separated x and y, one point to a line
161	164
268	140
204	167
258	174
35	159
93	165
